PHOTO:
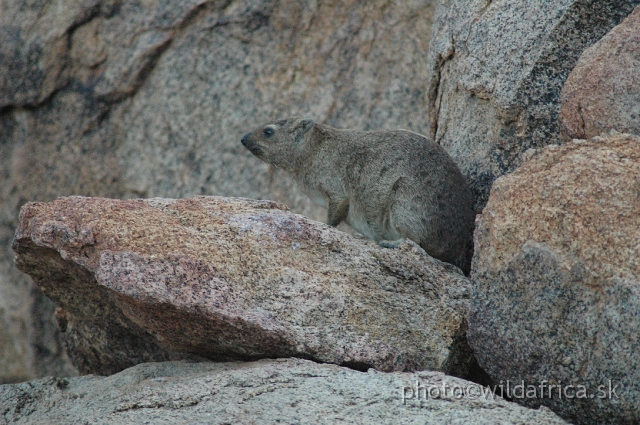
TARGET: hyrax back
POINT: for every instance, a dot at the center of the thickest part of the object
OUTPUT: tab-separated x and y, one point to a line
389	185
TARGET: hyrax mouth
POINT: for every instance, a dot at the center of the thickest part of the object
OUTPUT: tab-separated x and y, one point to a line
250	145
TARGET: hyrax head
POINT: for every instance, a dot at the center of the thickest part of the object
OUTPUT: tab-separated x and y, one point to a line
281	143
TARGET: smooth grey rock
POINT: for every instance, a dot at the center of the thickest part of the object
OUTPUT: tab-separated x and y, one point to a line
131	98
496	73
289	391
556	280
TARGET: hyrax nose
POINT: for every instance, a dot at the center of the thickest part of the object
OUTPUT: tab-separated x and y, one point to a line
245	139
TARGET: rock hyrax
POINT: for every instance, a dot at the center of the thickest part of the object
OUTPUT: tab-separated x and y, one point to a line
388	185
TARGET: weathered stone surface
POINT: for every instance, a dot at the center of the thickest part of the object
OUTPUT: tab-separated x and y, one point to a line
229	278
556	278
34	48
263	392
139	99
496	72
602	92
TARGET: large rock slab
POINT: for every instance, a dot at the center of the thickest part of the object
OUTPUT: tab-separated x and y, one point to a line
132	98
264	392
228	278
602	92
556	279
497	69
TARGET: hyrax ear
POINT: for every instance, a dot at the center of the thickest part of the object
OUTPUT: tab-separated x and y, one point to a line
304	124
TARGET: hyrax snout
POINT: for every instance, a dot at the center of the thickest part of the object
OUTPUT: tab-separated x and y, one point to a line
389	185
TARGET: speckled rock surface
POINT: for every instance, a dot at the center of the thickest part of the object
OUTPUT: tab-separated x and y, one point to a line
280	391
496	72
556	278
229	278
133	98
602	92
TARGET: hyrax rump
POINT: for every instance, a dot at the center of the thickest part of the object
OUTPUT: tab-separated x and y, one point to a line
388	185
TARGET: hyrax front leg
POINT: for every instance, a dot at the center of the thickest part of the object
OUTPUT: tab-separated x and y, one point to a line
338	211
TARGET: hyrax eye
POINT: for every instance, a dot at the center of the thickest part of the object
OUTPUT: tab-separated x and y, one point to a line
268	132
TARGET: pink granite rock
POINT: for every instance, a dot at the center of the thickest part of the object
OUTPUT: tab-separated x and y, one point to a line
602	92
556	280
229	278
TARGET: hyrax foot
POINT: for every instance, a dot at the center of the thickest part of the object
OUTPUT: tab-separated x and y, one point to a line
391	244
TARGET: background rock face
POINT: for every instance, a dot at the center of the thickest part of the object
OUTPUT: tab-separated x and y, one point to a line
139	99
556	277
496	73
603	91
225	279
264	392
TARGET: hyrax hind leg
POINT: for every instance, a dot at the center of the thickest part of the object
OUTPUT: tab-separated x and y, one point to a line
405	221
392	235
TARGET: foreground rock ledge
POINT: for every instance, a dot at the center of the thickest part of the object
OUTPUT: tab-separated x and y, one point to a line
228	278
556	279
263	392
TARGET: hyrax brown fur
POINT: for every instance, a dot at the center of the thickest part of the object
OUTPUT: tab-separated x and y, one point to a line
388	185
